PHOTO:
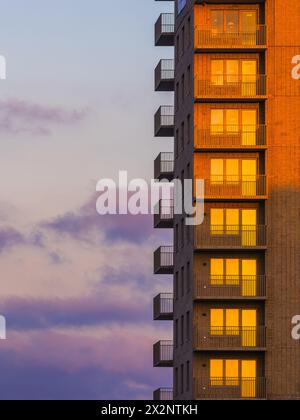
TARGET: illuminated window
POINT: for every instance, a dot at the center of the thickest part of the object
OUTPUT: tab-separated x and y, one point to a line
248	21
217	21
232	121
249	275
232	71
249	374
217	121
217	72
232	322
217	171
232	171
233	373
249	327
224	322
224	221
217	271
216	372
232	272
217	221
217	321
232	22
232	221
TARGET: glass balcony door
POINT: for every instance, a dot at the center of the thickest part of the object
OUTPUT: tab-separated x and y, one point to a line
249	227
249	328
249	375
249	177
249	125
249	276
248	21
249	77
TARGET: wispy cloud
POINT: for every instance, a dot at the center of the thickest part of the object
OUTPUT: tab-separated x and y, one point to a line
87	225
10	237
21	117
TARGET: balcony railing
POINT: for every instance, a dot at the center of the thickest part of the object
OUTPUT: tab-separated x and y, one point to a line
165	30
164	260
164	121
219	137
230	237
230	287
164	214
165	76
231	87
163	307
164	166
241	39
163	354
235	187
230	388
230	338
163	394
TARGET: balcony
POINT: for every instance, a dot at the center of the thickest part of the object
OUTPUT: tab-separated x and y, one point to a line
164	166
230	237
165	30
163	260
230	389
165	76
251	187
230	287
223	87
230	338
163	307
163	354
255	40
164	214
163	394
236	137
164	122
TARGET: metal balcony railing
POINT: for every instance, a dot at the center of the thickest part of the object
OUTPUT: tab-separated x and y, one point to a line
241	39
164	121
234	287
164	166
164	214
230	137
164	260
163	394
165	75
165	30
163	307
236	236
230	388
231	87
163	354
235	187
230	338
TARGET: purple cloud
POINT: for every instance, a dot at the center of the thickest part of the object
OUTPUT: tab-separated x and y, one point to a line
87	225
9	237
18	116
23	314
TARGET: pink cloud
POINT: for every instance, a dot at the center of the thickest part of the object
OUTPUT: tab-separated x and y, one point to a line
18	116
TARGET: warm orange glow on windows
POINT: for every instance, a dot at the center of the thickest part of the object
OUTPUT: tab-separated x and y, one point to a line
233	21
234	372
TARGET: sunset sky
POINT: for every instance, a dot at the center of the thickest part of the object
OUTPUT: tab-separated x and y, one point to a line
76	288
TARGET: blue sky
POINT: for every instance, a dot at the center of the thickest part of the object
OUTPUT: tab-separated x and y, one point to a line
77	106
